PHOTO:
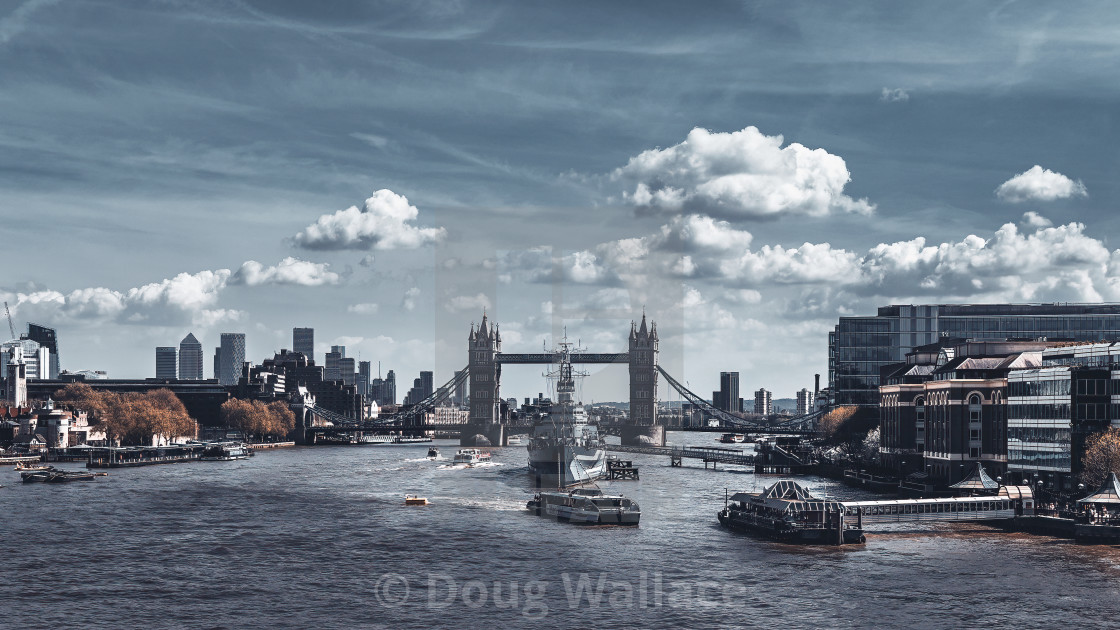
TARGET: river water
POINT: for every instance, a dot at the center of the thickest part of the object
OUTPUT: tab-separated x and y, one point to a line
318	537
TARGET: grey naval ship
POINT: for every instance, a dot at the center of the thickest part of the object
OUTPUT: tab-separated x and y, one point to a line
565	447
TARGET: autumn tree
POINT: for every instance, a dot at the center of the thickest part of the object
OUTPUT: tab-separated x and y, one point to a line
831	422
132	417
256	418
1102	456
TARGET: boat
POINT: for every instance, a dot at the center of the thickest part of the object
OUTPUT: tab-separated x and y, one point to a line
515	440
29	466
586	506
224	452
412	499
433	452
55	476
393	439
471	456
565	446
731	438
787	512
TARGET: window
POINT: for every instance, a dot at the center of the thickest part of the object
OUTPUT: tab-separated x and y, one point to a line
974	408
974	452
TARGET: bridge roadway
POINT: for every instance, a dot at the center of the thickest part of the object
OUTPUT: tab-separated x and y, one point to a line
706	453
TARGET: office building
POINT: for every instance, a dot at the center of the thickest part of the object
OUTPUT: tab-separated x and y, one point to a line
348	371
232	361
36	358
190	358
46	338
364	378
303	340
337	353
384	390
860	346
218	363
763	402
421	389
167	362
729	391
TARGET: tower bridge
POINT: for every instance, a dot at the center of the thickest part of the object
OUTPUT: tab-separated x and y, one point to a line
484	371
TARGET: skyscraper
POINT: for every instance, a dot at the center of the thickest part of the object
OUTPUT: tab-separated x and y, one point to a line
232	358
364	374
218	363
190	358
729	391
333	373
347	371
167	362
47	338
303	340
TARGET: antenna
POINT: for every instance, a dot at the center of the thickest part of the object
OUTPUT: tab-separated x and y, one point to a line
11	326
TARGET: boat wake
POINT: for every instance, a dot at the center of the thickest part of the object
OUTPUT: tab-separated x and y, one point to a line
465	466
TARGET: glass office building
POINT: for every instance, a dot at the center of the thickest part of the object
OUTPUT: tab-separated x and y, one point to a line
860	346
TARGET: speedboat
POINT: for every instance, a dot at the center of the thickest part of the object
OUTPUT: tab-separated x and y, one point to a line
433	452
471	456
412	499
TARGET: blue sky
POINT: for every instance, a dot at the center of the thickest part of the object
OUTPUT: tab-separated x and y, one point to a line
746	172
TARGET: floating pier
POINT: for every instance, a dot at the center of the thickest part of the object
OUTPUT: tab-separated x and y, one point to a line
622	470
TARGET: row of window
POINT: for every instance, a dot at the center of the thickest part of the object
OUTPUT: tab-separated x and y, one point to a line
1038	388
1039	435
1034	459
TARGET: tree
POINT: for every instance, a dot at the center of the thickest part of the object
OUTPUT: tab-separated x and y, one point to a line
832	421
1102	456
132	417
256	418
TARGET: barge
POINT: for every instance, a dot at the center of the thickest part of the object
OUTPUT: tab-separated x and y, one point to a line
787	512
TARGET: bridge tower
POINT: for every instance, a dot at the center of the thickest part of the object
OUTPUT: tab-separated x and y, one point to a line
642	428
483	346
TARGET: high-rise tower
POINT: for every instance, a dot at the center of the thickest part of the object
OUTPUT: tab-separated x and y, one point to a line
303	340
190	358
167	359
232	358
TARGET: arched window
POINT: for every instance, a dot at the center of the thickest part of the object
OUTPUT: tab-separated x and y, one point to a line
920	409
974	408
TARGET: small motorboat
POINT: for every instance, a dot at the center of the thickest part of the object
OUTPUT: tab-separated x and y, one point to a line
471	456
433	452
412	499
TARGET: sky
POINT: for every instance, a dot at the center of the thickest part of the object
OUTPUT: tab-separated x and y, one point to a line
743	173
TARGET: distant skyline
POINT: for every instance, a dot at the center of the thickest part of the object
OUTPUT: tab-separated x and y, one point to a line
745	172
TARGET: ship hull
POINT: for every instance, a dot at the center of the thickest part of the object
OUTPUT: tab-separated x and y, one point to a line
566	465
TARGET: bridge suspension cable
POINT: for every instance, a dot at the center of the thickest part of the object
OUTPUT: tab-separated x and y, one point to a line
706	407
411	414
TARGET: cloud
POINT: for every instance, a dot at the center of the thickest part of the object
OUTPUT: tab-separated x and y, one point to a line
367	308
288	271
1009	264
1039	184
742	174
476	302
185	298
383	222
1036	220
897	95
408	302
17	20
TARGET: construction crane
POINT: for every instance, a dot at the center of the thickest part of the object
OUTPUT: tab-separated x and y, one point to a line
11	326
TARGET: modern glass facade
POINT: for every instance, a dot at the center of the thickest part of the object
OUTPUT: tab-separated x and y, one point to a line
860	346
1038	420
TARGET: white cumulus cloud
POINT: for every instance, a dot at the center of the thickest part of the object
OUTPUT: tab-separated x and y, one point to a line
288	271
476	302
1040	184
385	221
367	308
742	174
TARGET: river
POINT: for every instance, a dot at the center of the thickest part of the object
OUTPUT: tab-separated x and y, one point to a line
319	537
